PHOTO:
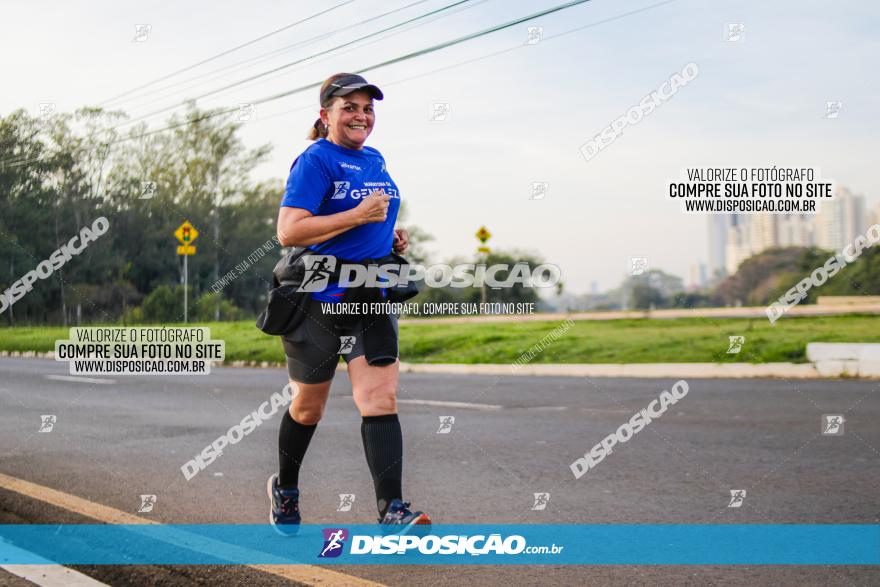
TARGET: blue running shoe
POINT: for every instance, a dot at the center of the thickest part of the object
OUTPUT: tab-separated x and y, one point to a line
399	519
283	508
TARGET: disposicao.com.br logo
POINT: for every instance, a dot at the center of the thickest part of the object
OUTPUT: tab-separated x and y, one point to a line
430	544
320	269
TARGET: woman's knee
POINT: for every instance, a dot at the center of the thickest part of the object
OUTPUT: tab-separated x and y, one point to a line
307	415
376	400
309	402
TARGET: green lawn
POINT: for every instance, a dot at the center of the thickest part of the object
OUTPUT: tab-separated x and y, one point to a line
682	340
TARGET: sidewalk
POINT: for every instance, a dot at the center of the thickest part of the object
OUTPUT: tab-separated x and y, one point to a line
647	370
829	369
825	309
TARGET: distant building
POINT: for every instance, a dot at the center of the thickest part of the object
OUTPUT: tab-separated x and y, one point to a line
738	247
718	227
874	214
733	238
796	230
698	278
840	219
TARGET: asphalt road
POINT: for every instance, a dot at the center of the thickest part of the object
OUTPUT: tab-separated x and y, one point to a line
112	443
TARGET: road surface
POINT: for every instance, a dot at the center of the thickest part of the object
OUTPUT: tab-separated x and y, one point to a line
126	436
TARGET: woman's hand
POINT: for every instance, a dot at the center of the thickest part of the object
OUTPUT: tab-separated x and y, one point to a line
373	208
401	240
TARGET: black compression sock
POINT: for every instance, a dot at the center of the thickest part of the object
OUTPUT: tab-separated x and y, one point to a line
293	440
383	447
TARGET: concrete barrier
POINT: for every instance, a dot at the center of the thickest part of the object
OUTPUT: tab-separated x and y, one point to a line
846	300
845	358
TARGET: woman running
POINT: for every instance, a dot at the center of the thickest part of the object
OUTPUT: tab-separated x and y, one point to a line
341	201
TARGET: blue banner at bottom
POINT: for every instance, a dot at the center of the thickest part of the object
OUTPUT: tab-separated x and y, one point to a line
481	544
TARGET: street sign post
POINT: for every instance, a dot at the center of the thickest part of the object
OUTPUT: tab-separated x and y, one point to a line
483	235
186	233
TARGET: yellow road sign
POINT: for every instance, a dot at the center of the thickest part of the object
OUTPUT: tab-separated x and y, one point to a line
483	250
186	233
186	250
483	235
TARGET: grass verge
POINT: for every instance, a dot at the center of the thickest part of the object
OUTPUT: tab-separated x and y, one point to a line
680	340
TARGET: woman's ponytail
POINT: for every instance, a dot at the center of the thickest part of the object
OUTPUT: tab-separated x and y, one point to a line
318	131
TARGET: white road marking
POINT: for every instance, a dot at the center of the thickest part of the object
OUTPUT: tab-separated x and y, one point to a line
52	576
77	379
46	574
443	404
303	574
548	408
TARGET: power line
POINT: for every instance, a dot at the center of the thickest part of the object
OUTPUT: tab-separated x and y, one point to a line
544	39
378	65
223	112
408	56
380	39
227	52
15	162
292	63
274	52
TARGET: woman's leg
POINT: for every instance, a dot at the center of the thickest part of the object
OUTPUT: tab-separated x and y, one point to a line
375	394
312	355
297	427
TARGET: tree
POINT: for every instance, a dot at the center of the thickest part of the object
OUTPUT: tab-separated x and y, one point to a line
765	277
645	297
164	304
61	172
654	288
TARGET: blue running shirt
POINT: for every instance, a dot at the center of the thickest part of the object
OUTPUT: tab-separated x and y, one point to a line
328	178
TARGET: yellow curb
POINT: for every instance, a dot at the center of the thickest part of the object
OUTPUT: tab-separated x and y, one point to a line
305	574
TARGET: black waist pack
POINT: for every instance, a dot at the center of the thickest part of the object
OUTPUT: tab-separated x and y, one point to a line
402	291
282	314
283	310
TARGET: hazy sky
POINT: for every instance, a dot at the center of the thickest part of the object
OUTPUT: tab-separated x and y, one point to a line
518	112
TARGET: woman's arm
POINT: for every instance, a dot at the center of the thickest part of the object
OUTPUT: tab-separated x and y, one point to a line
298	227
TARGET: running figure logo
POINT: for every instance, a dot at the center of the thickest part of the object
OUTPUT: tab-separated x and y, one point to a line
47	422
439	112
346	500
147	503
246	111
832	109
319	268
340	189
736	344
735	31
736	498
148	190
534	35
539	190
638	265
46	109
541	501
141	32
334	538
832	424
346	344
446	423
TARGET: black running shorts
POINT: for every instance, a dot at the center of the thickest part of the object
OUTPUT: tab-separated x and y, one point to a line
313	348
